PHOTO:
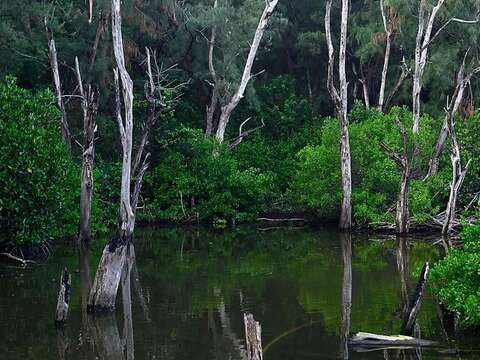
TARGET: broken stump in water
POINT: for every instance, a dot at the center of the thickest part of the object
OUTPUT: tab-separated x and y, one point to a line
107	280
415	303
253	336
63	298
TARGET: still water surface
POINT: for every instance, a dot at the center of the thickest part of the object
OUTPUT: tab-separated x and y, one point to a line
188	289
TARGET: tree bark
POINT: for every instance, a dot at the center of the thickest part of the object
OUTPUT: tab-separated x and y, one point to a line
63	300
89	105
340	100
211	67
52	52
424	34
402	218
388	46
253	336
105	287
228	109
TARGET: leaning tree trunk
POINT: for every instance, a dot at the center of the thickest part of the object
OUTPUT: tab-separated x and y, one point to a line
340	99
228	109
52	52
89	105
105	287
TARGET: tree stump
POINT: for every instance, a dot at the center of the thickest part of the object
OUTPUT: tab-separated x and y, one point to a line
253	336
63	298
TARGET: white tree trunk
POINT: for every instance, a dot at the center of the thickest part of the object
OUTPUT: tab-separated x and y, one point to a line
52	52
247	71
424	34
211	67
341	103
105	287
388	46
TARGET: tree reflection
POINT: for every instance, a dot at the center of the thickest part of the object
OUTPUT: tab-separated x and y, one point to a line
101	333
346	243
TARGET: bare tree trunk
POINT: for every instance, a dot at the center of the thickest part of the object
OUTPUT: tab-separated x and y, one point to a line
63	300
247	71
424	34
105	287
402	218
341	103
406	72
89	105
451	111
52	52
388	46
102	24
214	98
253	336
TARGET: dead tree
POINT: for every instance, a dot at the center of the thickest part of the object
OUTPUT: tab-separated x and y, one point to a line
341	104
105	286
63	300
89	104
52	54
403	161
458	174
406	72
232	103
451	110
253	337
423	41
388	28
210	113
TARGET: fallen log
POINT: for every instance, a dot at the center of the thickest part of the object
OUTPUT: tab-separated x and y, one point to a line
280	219
373	340
63	299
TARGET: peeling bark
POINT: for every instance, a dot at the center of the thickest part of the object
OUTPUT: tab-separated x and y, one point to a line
253	337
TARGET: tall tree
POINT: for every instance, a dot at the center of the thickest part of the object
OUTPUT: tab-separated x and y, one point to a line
340	99
105	286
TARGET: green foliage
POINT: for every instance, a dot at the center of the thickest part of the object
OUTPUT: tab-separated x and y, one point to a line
39	182
198	177
457	278
375	177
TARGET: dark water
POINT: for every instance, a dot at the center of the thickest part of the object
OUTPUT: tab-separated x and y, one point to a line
188	289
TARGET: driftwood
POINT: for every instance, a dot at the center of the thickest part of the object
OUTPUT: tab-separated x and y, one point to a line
63	298
373	340
253	337
416	302
280	219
